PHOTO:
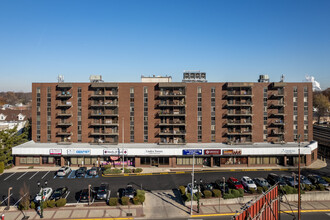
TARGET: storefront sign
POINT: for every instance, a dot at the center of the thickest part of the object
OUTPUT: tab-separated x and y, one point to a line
154	152
192	151
289	151
114	152
114	158
232	152
212	152
79	151
55	151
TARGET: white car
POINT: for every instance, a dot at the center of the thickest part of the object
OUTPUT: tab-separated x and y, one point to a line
188	189
63	171
47	192
248	183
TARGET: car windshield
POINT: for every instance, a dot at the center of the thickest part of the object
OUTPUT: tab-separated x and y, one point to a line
289	178
237	183
249	182
129	190
263	182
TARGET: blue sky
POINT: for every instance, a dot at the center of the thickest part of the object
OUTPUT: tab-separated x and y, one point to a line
121	40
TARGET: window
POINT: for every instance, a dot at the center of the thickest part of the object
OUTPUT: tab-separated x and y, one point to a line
132	114
145	102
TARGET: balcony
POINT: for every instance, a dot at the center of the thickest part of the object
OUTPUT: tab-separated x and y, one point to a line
103	124
172	133
64	124
103	105
276	114
171	94
172	142
239	94
279	104
104	95
276	95
104	114
64	95
64	142
277	123
172	104
101	133
239	123
234	104
64	105
63	133
172	114
103	142
278	132
239	113
173	123
239	133
64	114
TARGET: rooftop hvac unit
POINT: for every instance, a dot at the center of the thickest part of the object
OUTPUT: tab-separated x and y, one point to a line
95	78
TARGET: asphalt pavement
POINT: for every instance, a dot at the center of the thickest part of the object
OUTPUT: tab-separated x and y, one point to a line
16	180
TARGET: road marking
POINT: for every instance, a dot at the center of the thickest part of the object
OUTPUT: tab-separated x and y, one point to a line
45	175
5	199
34	175
102	218
67	194
9	176
21	175
20	199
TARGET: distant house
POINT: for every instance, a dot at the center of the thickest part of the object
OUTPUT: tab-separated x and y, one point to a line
10	118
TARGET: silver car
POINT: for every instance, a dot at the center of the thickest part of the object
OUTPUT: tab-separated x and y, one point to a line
63	171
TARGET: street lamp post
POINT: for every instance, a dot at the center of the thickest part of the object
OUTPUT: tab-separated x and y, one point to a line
9	189
42	198
299	198
89	193
123	131
192	185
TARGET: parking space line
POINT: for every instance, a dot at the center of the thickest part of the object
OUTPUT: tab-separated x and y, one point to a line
67	194
55	176
88	176
21	175
33	175
9	176
70	175
45	175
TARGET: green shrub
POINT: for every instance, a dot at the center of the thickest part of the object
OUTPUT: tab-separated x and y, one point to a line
321	187
307	187
44	205
50	203
294	191
207	193
2	166
112	171
260	189
113	201
61	202
265	188
252	191
216	193
23	205
313	187
326	179
108	166
30	167
236	193
140	192
199	195
241	192
138	170
141	198
33	205
136	200
126	170
182	190
124	200
228	196
188	197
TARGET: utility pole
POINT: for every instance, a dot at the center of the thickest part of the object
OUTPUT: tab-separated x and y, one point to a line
299	196
192	185
89	193
123	131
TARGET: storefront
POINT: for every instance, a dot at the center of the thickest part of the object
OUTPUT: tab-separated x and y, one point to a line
153	155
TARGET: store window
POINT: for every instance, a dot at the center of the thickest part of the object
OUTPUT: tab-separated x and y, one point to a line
189	161
145	161
164	161
263	160
233	160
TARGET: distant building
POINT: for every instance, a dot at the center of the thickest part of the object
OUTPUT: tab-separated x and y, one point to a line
153	79
10	118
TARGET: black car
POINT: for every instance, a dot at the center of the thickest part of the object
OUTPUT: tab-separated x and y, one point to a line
59	193
273	178
81	172
316	179
223	186
102	192
129	191
206	186
83	195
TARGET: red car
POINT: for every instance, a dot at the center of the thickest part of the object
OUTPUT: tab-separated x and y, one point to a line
234	183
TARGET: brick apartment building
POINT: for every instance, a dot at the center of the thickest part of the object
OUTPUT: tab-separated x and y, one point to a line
163	123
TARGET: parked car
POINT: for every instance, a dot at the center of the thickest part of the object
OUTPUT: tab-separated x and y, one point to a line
304	180
59	193
93	171
261	182
188	189
102	192
290	181
234	183
316	179
81	172
223	186
83	195
248	183
206	186
129	191
273	178
45	193
63	171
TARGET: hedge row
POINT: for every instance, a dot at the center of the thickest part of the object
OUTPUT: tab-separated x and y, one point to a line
233	193
138	199
49	203
108	170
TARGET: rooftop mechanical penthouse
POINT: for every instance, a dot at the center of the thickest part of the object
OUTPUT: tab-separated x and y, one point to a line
156	122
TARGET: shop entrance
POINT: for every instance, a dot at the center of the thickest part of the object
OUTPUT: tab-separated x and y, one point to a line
154	161
207	161
58	161
289	161
216	161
